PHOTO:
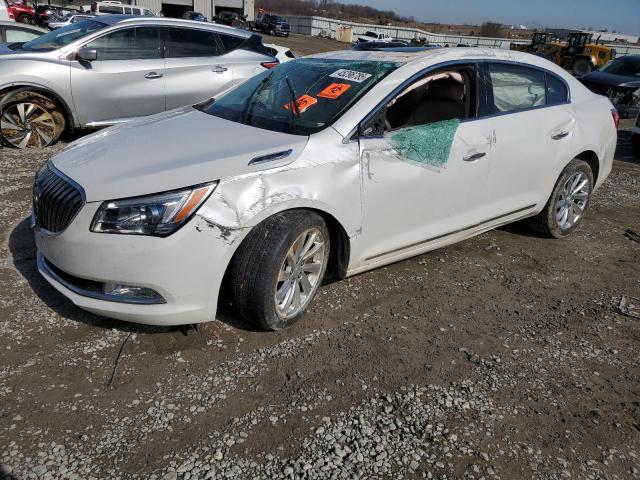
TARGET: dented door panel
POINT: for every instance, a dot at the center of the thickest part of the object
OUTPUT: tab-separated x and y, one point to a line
407	202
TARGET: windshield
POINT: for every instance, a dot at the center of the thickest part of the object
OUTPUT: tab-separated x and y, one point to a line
323	89
63	36
623	66
278	19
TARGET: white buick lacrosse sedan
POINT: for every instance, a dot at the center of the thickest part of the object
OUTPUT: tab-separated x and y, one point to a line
327	165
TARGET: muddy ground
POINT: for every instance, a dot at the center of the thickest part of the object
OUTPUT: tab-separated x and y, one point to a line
500	357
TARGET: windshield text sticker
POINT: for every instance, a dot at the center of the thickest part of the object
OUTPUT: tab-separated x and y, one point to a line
334	90
351	75
303	103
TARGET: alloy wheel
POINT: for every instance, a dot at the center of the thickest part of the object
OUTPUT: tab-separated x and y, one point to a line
299	275
27	125
572	200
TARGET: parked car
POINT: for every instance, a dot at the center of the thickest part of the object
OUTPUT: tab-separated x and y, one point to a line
377	45
68	19
107	70
195	16
13	32
49	13
275	25
635	138
620	81
371	36
6	15
117	8
340	163
22	12
283	54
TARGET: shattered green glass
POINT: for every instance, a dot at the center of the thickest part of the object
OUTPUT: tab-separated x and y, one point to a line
426	144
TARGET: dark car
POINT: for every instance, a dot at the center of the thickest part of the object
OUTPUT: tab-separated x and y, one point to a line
370	46
49	13
275	25
22	12
620	81
198	17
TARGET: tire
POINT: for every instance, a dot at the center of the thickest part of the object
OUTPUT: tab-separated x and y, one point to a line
581	67
261	277
549	221
635	142
24	18
272	32
30	119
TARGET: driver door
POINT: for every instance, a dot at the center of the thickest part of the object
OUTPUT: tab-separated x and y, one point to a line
126	80
422	183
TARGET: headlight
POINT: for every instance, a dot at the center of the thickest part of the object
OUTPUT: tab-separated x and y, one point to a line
158	215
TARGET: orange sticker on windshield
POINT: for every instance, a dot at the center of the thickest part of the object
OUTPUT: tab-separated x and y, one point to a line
303	103
334	90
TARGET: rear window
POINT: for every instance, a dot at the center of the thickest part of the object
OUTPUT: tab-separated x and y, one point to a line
623	66
231	42
516	87
323	90
111	9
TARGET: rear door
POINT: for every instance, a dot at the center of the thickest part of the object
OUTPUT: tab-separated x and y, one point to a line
534	126
195	67
127	79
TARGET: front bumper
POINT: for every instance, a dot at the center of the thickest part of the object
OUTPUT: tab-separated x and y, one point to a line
186	269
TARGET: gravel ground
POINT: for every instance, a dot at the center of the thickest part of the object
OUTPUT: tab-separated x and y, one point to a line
500	357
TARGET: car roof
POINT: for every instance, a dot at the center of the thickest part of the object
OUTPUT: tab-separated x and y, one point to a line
23	25
422	55
160	21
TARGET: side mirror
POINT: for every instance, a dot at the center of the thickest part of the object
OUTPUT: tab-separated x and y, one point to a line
87	54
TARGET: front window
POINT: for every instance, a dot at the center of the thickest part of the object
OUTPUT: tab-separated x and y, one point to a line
323	90
63	36
624	66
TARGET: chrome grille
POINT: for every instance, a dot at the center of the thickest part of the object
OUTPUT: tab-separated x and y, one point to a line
55	200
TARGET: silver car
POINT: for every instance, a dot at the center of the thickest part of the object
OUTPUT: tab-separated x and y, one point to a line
68	19
108	70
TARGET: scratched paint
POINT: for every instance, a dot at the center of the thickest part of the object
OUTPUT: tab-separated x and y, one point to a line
427	145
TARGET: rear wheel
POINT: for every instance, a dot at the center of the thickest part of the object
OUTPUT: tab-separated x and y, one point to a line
635	142
30	119
24	18
581	67
278	269
568	203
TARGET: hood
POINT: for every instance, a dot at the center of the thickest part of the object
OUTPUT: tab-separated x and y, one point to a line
612	80
168	151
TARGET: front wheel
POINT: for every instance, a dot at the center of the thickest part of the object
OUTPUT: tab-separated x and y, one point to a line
278	269
581	67
30	119
568	203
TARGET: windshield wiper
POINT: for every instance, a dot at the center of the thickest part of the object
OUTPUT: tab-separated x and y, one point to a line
254	97
295	111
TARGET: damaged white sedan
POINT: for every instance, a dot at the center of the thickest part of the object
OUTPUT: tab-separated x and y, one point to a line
327	165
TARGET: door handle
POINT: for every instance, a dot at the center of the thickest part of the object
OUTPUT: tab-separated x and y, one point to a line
559	136
153	75
472	157
219	69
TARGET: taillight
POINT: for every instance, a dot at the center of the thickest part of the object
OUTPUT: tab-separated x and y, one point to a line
11	17
616	117
270	64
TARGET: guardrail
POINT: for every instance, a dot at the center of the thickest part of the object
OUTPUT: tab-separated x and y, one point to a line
328	27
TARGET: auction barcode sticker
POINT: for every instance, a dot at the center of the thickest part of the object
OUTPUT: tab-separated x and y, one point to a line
351	75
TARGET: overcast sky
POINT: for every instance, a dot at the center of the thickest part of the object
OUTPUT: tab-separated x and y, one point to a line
620	15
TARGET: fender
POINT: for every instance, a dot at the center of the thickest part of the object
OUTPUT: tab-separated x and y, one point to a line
69	113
